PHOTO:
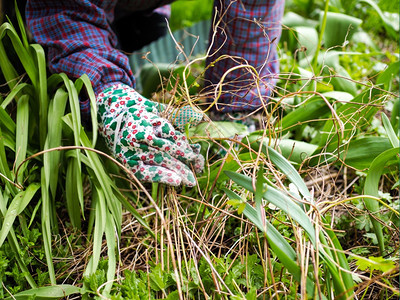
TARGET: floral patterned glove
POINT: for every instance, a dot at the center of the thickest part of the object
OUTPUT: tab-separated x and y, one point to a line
143	141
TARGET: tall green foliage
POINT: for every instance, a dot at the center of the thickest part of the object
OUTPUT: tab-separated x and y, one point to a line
47	127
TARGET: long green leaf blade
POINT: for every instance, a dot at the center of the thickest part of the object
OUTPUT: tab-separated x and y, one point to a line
17	205
51	159
73	182
276	241
278	199
21	144
6	121
48	292
393	138
286	167
46	226
84	80
22	53
41	89
371	188
14	92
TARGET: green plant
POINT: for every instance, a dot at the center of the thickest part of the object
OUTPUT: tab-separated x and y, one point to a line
377	167
330	252
46	155
312	195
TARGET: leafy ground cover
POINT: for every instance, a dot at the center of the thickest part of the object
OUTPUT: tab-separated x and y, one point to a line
305	207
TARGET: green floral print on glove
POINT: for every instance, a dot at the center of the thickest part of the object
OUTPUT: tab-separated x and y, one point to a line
143	141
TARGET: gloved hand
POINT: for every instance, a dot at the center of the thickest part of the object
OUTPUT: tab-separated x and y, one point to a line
143	141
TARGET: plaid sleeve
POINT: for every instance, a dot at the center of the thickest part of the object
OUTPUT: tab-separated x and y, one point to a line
79	39
248	34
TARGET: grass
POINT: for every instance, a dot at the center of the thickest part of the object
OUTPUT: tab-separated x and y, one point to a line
305	207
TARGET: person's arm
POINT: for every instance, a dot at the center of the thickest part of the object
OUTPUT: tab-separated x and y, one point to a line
248	34
80	41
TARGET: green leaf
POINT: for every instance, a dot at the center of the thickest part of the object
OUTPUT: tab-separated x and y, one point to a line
392	27
85	81
229	164
371	187
388	76
278	199
111	238
21	25
358	153
338	28
158	279
311	109
12	241
16	207
241	208
14	92
343	82
73	182
286	168
173	295
252	294
276	241
296	151
4	168
234	202
291	19
307	37
342	280
100	210
293	150
6	121
343	97
93	161
362	37
46	226
258	194
394	139
51	159
361	152
22	53
375	263
291	37
47	292
75	112
394	119
355	114
177	79
219	129
41	89
21	140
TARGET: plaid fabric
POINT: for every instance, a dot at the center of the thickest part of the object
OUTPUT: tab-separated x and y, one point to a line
248	34
79	40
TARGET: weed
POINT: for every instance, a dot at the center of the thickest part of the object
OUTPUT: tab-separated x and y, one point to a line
305	207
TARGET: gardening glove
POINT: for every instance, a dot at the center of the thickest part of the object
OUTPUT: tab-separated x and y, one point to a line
143	141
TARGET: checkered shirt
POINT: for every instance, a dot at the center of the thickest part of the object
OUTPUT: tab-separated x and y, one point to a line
79	40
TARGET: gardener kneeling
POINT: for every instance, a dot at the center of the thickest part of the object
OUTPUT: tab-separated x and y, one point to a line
80	39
